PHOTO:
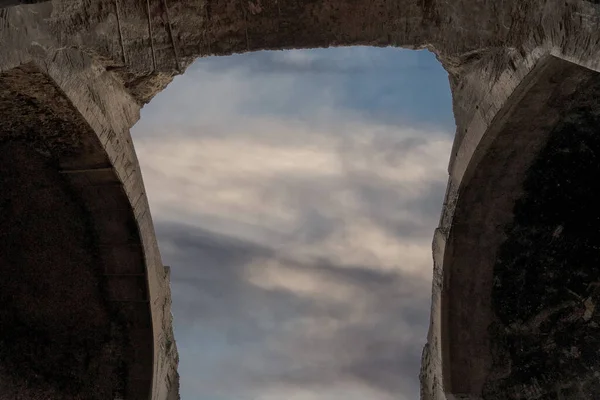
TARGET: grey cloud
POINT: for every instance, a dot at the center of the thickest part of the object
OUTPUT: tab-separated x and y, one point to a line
395	150
378	197
361	322
429	205
335	61
381	349
207	276
378	200
226	90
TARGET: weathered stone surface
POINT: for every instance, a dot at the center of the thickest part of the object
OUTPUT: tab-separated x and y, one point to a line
482	218
513	306
546	273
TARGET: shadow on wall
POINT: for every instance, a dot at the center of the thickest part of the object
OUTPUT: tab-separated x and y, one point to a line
520	324
75	318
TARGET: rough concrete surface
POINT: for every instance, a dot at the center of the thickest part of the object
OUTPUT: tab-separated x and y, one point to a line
515	256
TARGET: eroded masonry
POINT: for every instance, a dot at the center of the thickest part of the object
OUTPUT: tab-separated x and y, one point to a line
85	297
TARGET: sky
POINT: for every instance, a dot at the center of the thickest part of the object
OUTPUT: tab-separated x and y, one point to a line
295	195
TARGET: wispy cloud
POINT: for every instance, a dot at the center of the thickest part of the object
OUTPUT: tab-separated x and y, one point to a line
387	86
299	230
253	322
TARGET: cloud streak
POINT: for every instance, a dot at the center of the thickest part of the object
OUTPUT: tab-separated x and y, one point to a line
298	229
278	325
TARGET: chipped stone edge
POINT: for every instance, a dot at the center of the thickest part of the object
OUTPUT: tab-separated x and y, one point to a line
573	48
110	112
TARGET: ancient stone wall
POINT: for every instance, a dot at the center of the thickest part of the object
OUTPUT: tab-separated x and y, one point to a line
109	57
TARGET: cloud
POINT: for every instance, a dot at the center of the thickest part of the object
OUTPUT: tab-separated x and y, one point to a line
377	84
250	321
343	60
298	229
348	197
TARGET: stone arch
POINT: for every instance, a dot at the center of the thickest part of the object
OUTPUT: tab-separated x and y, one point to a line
479	338
77	316
135	49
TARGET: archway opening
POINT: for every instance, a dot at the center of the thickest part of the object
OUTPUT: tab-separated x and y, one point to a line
295	194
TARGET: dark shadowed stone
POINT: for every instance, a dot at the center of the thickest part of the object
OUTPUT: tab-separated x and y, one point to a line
547	274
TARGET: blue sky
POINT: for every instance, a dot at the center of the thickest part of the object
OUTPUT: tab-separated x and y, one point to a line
294	195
